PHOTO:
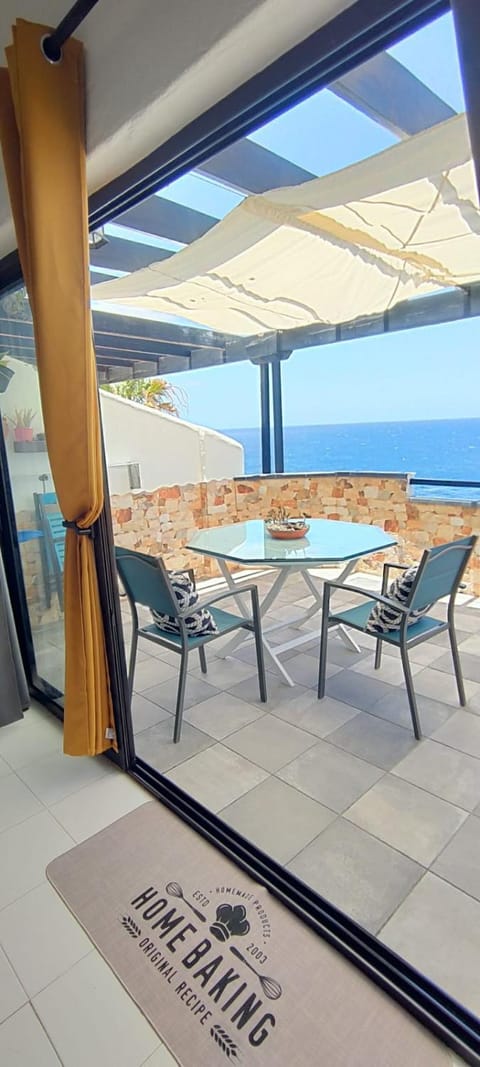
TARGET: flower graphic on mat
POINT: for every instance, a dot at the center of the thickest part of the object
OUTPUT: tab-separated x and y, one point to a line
230	922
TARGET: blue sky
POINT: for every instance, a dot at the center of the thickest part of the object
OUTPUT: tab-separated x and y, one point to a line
416	374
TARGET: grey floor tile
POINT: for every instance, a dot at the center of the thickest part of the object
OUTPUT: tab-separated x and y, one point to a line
470	665
459	862
156	745
217	777
224	673
304	670
339	654
462	731
332	777
442	687
152	671
443	640
222	715
437	929
356	689
277	691
166	694
411	820
425	654
318	717
390	670
374	740
270	742
449	774
278	819
471	645
145	713
395	708
359	874
467	620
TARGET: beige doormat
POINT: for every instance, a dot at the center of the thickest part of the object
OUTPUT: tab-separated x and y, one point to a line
222	971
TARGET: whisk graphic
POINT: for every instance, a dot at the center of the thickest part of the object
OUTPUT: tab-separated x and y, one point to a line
271	988
175	890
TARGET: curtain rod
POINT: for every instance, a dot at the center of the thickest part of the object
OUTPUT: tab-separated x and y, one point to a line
51	45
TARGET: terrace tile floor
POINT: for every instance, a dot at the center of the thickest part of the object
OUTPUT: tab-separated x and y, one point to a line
385	827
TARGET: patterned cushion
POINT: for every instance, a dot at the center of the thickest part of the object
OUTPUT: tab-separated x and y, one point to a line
197	624
383	618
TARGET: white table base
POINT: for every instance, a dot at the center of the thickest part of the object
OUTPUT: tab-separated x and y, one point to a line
272	653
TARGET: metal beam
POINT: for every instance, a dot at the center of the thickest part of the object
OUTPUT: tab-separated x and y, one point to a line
466	18
119	254
277	415
250	168
165	218
265	418
391	95
152	330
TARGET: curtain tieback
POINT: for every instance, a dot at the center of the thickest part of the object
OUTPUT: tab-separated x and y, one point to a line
82	531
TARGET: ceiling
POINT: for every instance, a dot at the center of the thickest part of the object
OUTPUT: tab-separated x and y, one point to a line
173	67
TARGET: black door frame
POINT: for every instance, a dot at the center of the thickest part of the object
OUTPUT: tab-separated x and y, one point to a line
355	35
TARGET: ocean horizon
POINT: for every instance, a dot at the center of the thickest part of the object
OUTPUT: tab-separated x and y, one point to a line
433	448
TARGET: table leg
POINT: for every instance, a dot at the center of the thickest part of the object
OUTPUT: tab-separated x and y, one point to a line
265	604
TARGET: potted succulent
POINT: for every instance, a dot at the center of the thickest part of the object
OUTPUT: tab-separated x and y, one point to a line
22	424
283	527
6	374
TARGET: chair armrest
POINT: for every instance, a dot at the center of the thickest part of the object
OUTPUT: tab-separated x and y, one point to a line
220	596
369	595
385	572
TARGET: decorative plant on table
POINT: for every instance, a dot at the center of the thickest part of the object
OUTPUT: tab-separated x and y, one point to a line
281	525
22	424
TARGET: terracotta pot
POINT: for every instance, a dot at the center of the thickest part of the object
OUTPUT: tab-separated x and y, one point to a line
23	433
288	535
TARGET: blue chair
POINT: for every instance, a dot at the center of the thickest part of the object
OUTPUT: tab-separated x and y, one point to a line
50	521
145	581
439	575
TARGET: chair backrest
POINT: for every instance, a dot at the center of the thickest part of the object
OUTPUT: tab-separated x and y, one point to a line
51	519
146	581
440	572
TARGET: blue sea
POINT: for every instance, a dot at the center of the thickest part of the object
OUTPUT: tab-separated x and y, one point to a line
440	448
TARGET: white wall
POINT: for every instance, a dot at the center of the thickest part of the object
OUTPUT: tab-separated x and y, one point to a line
25	467
154	65
169	451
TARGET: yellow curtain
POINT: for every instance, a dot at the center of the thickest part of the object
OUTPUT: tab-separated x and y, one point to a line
42	133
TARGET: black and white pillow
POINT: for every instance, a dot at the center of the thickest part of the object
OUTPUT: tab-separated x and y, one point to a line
199	623
383	618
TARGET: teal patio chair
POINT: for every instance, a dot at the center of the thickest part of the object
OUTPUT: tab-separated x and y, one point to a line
50	521
145	581
439	575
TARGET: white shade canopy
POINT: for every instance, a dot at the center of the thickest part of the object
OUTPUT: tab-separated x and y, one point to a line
403	223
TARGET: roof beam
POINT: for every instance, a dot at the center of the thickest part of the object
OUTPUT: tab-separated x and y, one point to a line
153	330
391	95
164	218
250	168
119	254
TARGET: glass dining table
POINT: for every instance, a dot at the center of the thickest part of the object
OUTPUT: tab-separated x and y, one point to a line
329	542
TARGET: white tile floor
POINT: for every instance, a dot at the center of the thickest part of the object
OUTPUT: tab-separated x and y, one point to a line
59	1001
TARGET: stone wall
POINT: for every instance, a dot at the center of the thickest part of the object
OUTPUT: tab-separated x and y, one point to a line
162	522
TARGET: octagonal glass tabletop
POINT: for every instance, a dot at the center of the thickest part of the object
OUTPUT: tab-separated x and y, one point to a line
327	541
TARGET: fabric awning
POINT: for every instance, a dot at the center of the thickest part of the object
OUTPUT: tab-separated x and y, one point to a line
400	224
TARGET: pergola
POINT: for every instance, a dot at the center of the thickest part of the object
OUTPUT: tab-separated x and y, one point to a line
132	347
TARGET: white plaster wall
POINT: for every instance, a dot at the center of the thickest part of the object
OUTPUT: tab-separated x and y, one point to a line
25	467
170	451
154	65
